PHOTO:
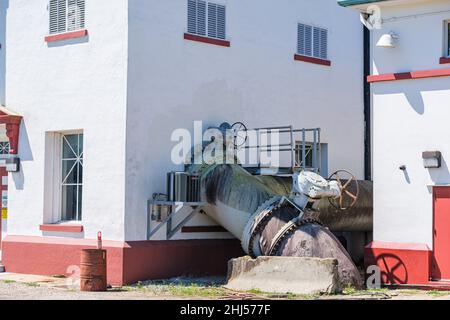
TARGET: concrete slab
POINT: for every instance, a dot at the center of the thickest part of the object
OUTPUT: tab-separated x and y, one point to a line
303	276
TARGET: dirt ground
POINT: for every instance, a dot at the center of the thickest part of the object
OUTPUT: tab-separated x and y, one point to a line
28	287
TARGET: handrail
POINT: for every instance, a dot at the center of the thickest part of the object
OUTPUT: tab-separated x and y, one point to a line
297	146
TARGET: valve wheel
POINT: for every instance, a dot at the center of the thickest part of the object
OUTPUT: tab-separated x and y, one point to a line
346	183
240	134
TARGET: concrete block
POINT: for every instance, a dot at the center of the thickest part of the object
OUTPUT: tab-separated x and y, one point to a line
295	275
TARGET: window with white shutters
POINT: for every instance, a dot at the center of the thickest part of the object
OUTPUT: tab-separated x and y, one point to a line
207	19
312	41
66	15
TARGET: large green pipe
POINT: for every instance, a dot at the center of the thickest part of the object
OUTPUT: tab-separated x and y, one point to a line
234	196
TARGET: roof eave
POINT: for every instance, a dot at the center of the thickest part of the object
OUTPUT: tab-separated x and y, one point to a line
351	3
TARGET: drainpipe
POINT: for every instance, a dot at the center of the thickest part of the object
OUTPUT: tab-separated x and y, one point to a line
367	109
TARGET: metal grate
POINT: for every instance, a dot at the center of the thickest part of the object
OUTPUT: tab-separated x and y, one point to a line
206	19
312	41
66	15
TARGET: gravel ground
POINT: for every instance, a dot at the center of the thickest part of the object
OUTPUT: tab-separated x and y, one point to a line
25	287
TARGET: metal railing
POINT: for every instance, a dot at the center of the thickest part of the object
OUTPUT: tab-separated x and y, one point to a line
301	144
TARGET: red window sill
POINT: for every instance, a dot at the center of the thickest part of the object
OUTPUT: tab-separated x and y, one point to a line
217	42
72	228
203	229
323	62
444	60
66	36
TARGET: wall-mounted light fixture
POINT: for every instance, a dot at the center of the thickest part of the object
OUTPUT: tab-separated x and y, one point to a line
12	164
432	159
388	40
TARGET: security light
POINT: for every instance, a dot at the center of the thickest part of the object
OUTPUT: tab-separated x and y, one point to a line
12	164
388	40
432	159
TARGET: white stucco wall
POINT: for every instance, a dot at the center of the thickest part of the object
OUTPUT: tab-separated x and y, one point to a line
420	43
172	82
69	85
3	7
410	117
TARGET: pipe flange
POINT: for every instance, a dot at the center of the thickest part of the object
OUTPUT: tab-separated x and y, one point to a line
255	224
287	230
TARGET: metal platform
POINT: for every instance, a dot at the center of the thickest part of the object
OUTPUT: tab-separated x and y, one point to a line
303	147
174	209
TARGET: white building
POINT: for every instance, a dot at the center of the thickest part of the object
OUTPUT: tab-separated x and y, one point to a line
102	87
410	85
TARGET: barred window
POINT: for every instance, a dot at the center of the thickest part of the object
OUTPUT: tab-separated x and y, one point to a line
66	15
71	177
447	28
4	148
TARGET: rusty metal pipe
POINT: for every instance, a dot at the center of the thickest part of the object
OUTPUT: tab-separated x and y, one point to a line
234	197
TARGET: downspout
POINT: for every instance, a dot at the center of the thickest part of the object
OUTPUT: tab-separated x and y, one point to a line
367	109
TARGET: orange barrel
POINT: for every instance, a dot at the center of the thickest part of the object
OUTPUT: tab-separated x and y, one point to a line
93	270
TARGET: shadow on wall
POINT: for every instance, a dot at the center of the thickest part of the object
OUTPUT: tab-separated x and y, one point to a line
4	4
68	42
25	154
414	94
440	176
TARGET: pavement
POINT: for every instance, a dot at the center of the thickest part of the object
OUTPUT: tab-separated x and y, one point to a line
32	287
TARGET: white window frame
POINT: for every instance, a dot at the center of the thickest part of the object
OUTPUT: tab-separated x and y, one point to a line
53	177
313	26
79	25
447	38
207	26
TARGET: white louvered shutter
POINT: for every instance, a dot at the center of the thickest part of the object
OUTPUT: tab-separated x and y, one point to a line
58	13
201	18
308	40
206	19
192	16
301	39
312	41
75	15
323	44
221	22
66	15
212	20
316	42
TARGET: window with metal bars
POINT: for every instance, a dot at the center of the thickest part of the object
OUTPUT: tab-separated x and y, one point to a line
447	30
312	41
66	15
71	177
4	147
207	19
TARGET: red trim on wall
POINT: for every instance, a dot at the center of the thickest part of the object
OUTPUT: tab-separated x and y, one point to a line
12	122
444	60
66	36
203	229
61	228
128	262
400	263
322	62
217	42
409	75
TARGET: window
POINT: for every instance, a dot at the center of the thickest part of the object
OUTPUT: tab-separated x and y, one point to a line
4	148
309	163
312	41
447	37
66	15
71	177
207	19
